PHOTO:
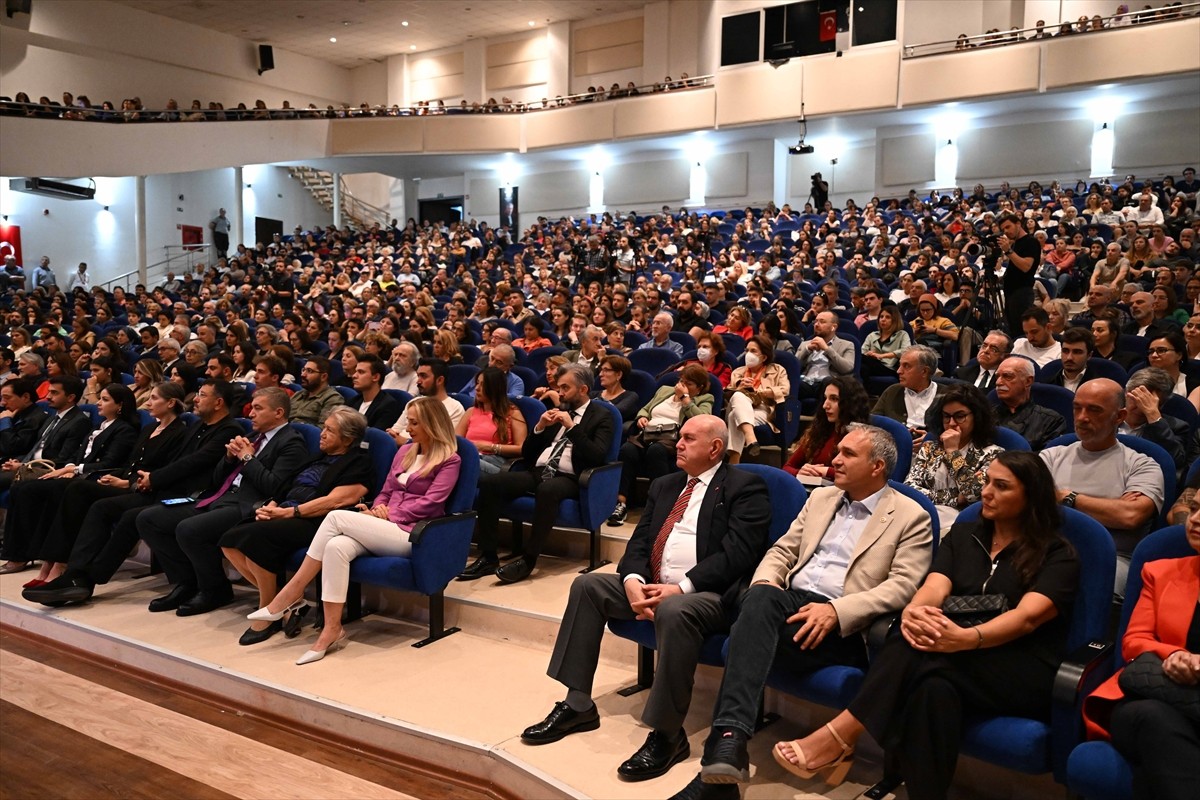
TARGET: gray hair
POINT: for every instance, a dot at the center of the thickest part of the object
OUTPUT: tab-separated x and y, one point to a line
580	373
927	357
276	398
592	330
197	346
504	332
883	446
1021	365
1008	340
505	353
666	316
351	425
1155	379
33	358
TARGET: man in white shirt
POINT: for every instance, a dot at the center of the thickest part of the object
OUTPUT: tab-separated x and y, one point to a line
403	375
1146	214
692	552
1038	343
431	382
79	279
909	401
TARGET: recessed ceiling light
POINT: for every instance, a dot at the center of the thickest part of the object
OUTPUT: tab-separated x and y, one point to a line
412	47
404	23
532	23
333	38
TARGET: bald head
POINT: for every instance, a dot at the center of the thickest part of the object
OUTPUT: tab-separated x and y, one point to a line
703	440
1099	408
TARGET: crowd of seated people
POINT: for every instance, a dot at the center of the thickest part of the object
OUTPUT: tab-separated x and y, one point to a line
233	376
1120	18
133	109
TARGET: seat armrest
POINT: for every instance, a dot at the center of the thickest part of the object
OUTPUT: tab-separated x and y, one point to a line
1082	671
516	465
585	478
878	631
424	525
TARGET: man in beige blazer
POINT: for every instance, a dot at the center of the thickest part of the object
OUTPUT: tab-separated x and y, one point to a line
859	549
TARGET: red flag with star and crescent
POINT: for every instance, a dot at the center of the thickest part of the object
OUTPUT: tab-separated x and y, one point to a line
828	24
10	241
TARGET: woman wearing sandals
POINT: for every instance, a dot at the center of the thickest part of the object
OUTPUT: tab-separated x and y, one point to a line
419	483
926	680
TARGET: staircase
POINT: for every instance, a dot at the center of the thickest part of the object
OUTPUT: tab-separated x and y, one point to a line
355	213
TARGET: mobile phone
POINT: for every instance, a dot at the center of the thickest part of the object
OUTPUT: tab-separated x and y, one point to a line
178	501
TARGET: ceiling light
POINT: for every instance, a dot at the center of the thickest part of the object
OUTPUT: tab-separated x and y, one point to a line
532	23
404	23
333	38
412	47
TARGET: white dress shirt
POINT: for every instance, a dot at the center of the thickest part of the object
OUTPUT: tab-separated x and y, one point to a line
566	463
267	437
679	553
917	404
825	571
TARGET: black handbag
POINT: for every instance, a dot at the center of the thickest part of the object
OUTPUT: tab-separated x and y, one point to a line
665	433
1143	678
969	610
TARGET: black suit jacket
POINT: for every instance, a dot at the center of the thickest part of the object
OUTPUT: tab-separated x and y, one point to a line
1156	329
110	450
265	475
590	439
72	430
22	432
383	411
191	470
731	534
970	373
1124	358
1052	373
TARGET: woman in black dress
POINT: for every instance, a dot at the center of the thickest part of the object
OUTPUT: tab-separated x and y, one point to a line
925	681
339	477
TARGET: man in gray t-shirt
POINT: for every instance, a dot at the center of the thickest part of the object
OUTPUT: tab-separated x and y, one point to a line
1120	488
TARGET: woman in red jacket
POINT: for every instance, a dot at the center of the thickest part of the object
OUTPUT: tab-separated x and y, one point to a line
845	401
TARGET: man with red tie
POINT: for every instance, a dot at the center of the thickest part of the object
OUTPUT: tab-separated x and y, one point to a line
699	538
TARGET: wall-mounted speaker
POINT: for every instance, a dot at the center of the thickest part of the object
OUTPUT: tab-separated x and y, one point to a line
266	58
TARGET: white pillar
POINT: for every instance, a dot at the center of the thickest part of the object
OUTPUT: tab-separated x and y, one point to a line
558	59
139	225
239	210
337	200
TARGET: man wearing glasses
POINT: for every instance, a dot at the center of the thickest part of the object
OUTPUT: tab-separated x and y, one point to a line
982	373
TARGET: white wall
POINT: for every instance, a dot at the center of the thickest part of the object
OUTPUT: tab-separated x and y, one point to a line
932	20
369	84
81	230
110	52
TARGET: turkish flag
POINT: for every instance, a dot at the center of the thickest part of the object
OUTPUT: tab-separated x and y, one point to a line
828	23
10	242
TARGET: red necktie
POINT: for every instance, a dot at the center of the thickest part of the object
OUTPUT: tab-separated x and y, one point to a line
660	542
208	501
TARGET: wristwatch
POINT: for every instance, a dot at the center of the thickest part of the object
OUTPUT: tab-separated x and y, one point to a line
246	457
1069	500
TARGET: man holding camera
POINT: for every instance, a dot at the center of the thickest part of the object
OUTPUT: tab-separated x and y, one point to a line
1024	255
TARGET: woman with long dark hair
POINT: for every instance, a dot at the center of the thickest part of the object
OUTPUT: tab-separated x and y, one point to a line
845	401
494	424
925	681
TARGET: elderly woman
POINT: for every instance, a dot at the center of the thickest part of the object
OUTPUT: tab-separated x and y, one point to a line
950	466
494	424
737	322
31	365
146	374
710	352
753	392
650	451
418	485
338	477
845	402
942	668
612	374
195	353
615	334
547	394
1160	740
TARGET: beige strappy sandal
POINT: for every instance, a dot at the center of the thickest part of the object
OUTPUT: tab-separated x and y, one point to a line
834	772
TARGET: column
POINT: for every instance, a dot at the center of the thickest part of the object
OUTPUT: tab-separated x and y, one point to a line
337	199
239	211
139	225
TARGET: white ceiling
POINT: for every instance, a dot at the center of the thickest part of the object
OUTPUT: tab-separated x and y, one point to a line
372	30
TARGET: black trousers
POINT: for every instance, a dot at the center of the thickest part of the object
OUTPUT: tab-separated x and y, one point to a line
496	490
761	638
185	539
913	704
652	461
874	368
1162	746
107	532
1016	303
32	506
221	243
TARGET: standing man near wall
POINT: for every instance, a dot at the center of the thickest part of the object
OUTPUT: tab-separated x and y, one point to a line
1023	254
220	228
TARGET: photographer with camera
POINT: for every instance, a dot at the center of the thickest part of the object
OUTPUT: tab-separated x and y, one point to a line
1023	254
820	192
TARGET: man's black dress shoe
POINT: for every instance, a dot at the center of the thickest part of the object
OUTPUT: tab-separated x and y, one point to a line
515	571
252	636
561	721
173	599
658	754
699	790
725	759
70	587
478	568
205	601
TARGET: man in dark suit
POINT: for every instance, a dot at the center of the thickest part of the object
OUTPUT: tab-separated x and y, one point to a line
380	408
698	541
21	419
109	531
1071	370
565	442
982	372
184	537
59	435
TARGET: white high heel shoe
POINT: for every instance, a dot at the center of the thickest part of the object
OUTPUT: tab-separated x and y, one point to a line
265	615
316	655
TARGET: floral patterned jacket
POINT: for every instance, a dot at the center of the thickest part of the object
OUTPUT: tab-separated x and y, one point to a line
946	477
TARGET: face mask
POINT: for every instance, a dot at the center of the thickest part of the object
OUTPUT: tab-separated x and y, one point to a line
704	353
753	360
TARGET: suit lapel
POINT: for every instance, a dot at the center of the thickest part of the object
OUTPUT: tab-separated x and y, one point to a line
713	495
878	523
818	525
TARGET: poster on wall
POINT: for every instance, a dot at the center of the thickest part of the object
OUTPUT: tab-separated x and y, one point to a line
10	242
510	212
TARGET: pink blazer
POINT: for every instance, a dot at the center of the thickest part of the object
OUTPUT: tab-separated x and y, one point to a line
424	497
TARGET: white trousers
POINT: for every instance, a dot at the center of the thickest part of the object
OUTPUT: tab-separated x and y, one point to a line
741	410
346	535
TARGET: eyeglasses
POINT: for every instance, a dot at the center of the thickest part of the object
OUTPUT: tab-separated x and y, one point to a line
1161	351
959	416
991	347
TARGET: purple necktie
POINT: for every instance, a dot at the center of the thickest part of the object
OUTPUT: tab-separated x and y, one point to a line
208	501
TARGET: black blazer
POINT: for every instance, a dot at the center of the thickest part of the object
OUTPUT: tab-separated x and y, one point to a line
152	452
110	450
383	411
268	473
72	431
191	469
590	440
970	373
1052	373
731	535
21	433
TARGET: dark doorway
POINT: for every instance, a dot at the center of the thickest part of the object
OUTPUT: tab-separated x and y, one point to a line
265	229
442	209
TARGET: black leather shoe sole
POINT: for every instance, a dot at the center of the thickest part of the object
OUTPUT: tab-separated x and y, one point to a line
252	636
589	721
172	601
57	597
473	573
643	771
198	605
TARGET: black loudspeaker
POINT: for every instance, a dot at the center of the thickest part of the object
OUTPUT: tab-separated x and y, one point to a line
17	6
266	58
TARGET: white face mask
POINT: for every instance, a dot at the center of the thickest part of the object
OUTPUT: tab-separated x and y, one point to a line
704	353
753	360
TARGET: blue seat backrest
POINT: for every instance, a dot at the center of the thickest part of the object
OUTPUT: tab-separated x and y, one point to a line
1011	440
904	444
382	450
642	384
147	417
463	496
529	377
531	410
1178	406
311	434
1103	368
459	376
346	392
1169	542
925	503
1160	456
787	494
400	396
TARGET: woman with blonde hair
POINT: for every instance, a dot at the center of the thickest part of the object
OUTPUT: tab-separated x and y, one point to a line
418	485
445	347
147	374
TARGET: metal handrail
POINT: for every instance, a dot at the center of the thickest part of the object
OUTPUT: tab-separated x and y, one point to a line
1009	37
187	251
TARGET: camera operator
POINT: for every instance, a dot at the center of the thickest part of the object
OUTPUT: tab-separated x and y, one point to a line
593	262
820	192
1023	254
